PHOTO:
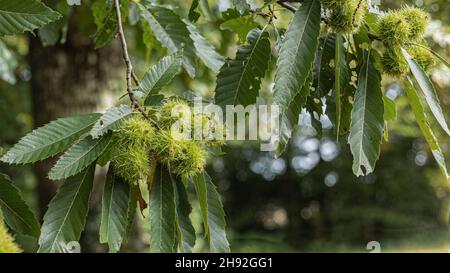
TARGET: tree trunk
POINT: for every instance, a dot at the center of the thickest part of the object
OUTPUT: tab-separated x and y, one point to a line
69	79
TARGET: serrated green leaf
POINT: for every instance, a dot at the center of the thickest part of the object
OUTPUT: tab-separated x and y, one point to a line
66	215
239	80
161	74
193	14
323	72
105	18
212	213
8	64
342	77
241	5
290	117
111	120
362	41
118	207
204	49
442	59
186	232
100	9
240	25
79	156
366	129
422	120
297	53
172	32
390	111
155	100
162	212
428	90
106	156
230	13
16	212
50	139
106	33
25	15
347	107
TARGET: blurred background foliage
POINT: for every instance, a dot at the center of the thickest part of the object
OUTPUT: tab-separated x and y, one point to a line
307	200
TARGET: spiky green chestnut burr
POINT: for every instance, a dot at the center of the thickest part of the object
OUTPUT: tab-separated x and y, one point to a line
190	160
417	20
167	119
135	131
183	157
394	63
131	152
131	163
331	4
423	57
213	132
345	16
393	29
7	244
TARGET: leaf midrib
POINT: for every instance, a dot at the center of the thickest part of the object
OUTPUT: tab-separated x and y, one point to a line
51	143
47	13
303	30
15	213
160	27
319	77
69	210
171	63
98	131
109	211
160	210
364	112
246	65
77	160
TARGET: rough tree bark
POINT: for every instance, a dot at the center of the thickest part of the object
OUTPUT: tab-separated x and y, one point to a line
69	79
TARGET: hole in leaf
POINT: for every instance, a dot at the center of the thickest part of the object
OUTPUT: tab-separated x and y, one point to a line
363	169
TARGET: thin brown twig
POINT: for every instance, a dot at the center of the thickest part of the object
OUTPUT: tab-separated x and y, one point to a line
135	77
130	72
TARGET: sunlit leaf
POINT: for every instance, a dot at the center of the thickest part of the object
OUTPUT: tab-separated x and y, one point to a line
366	129
290	117
204	49
25	15
79	156
186	232
161	74
239	80
111	120
118	207
162	216
50	139
172	32
212	213
422	120
66	215
295	61
428	90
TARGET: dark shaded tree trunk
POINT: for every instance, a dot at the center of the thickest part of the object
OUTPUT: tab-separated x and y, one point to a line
69	79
